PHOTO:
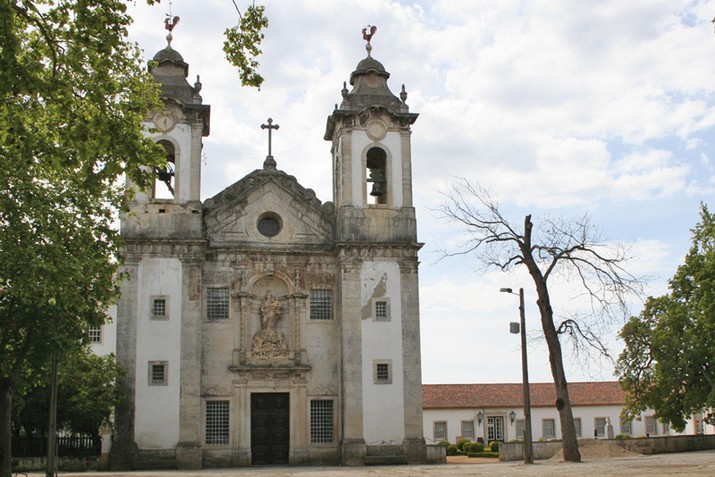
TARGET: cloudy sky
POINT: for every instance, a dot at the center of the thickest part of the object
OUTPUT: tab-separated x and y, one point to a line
559	108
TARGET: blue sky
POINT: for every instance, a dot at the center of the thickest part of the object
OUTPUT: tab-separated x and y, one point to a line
559	108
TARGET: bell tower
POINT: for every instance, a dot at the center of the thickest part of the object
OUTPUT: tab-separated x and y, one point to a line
376	246
172	207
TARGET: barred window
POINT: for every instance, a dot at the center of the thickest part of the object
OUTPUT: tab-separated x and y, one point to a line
217	423
321	305
600	427
158	373
383	373
159	307
440	431
521	428
217	303
321	421
651	425
381	310
95	334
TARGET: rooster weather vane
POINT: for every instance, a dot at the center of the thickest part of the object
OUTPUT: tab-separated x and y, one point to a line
367	33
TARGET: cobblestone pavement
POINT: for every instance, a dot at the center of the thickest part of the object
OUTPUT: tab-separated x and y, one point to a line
682	464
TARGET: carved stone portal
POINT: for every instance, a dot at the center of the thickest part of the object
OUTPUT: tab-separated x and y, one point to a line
268	343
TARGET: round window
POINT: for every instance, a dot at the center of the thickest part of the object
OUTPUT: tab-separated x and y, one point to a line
269	224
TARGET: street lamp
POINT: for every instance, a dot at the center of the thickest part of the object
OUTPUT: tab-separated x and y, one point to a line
528	445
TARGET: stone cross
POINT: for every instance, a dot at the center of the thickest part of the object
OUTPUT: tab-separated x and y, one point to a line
270	126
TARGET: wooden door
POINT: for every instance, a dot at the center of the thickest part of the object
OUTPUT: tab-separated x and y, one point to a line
270	428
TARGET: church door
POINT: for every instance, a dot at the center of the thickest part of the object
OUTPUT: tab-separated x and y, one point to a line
270	431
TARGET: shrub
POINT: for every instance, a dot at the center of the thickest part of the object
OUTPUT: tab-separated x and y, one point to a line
623	436
475	447
452	450
494	446
461	443
444	443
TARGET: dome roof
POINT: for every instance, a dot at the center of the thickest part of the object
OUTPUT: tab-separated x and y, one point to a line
367	65
171	56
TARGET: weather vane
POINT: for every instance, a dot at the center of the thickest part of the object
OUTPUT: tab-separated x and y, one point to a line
367	34
170	23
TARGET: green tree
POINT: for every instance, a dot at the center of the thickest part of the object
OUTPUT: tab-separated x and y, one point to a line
545	248
72	100
668	363
87	391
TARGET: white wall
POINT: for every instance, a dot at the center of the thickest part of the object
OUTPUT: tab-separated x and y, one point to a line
156	421
587	414
383	416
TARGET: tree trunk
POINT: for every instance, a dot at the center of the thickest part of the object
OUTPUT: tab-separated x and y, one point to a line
563	403
6	391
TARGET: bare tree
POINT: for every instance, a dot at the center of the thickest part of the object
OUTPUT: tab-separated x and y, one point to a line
571	248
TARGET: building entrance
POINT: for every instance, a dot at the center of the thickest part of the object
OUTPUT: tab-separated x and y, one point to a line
270	428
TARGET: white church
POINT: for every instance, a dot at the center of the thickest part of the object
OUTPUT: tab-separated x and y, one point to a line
264	326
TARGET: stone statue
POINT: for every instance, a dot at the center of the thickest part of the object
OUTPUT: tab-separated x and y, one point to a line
268	343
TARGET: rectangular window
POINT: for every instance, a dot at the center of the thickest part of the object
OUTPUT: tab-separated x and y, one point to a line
383	372
321	304
651	426
666	428
548	428
217	420
381	309
520	429
577	425
321	421
217	303
440	431
159	308
158	373
626	427
95	334
599	425
468	429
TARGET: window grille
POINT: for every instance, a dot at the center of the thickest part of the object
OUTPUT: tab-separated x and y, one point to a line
217	303
440	431
95	334
521	428
158	374
382	373
381	310
651	425
321	421
321	305
159	307
217	421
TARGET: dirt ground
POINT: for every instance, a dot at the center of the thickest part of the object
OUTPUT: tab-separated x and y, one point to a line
682	464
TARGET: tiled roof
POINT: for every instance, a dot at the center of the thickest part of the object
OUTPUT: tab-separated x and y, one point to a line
459	396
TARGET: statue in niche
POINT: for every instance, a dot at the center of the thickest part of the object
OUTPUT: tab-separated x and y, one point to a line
268	343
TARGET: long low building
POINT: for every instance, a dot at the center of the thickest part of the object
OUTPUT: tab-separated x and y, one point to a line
495	412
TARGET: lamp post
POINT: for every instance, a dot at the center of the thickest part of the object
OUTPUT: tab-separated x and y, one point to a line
528	445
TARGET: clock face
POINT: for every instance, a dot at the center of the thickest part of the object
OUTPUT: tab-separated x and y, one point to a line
376	130
164	121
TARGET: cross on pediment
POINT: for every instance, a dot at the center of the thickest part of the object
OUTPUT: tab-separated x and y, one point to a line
269	163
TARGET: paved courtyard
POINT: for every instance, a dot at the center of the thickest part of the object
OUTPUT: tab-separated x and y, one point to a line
683	464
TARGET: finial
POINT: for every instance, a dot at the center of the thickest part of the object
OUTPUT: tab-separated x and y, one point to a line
367	34
344	91
403	94
198	85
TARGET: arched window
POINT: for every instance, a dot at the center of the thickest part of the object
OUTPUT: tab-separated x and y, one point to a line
376	175
165	175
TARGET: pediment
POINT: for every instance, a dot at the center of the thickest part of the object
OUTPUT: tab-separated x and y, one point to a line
233	215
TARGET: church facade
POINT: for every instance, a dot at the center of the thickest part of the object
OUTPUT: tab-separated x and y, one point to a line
263	326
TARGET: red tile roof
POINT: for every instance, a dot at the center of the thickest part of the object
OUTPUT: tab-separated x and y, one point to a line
460	396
